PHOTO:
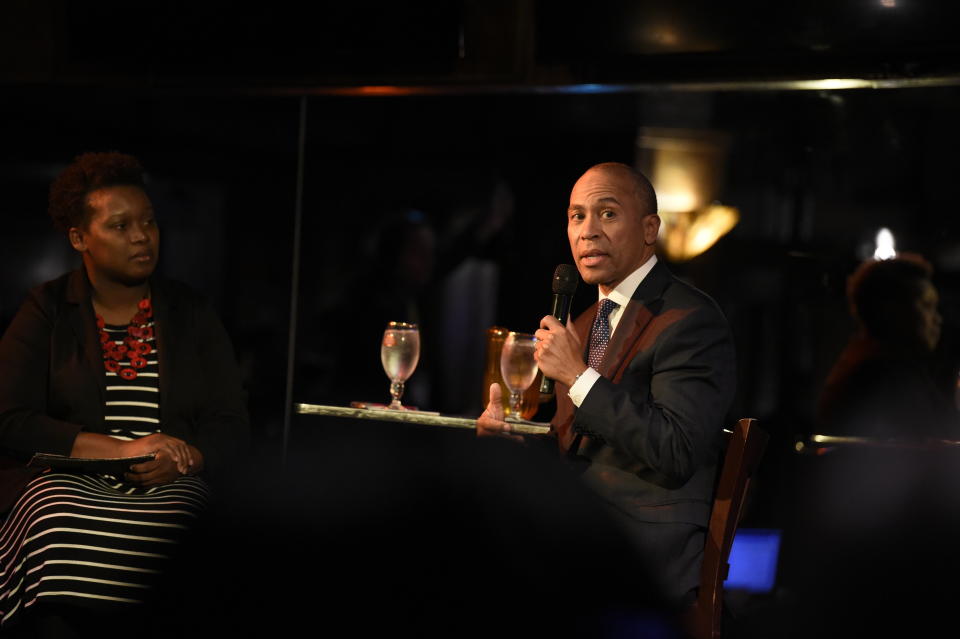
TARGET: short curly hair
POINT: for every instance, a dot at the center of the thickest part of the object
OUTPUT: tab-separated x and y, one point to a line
879	292
89	172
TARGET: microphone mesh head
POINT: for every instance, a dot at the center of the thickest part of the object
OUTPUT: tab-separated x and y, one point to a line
565	279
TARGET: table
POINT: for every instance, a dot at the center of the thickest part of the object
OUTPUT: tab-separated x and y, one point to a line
818	444
422	418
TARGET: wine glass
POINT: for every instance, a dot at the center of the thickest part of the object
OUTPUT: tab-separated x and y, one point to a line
518	367
399	353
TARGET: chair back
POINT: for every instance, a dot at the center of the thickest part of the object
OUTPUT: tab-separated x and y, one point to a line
745	447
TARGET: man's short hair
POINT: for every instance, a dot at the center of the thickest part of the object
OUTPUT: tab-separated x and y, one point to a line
642	188
879	292
87	173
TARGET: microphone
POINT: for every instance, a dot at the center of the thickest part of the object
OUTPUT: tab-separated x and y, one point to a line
565	280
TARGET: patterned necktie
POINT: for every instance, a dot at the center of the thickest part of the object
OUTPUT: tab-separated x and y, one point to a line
600	333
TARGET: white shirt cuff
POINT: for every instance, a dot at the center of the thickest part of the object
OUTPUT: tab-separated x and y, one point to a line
578	392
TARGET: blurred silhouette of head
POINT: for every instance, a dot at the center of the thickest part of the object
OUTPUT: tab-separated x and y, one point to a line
404	248
895	302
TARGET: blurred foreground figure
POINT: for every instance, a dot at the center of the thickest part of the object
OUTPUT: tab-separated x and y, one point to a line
882	384
876	540
876	547
413	533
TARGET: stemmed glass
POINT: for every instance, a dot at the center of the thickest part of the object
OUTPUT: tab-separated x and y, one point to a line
399	353
518	367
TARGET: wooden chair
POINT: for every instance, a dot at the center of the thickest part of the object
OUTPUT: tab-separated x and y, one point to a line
745	446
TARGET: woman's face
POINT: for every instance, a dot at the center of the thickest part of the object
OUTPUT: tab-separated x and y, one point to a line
928	319
121	240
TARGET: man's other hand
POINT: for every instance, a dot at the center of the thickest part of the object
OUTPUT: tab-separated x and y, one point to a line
491	422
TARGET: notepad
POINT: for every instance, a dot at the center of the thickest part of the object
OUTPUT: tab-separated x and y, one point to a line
115	466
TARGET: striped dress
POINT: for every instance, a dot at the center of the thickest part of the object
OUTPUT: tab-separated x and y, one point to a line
94	540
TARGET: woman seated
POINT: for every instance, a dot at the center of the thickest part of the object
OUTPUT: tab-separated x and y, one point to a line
882	385
108	361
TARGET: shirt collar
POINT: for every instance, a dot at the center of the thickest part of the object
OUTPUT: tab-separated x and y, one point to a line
624	291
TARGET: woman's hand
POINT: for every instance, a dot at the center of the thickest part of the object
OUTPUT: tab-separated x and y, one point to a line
174	449
161	470
164	468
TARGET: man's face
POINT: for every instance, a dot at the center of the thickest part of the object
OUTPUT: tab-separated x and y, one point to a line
121	238
610	236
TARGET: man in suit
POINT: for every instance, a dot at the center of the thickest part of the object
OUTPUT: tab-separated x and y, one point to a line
644	378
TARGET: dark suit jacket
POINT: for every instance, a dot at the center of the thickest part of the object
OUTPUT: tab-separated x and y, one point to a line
652	423
52	382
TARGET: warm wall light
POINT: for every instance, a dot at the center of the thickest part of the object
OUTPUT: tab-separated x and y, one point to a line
686	167
693	232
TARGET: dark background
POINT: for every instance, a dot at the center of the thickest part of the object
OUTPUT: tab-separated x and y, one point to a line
455	129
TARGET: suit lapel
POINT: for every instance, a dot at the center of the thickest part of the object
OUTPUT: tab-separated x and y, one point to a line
564	418
583	324
634	319
161	322
636	316
83	322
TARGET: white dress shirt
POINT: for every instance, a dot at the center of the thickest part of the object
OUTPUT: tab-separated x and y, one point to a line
622	294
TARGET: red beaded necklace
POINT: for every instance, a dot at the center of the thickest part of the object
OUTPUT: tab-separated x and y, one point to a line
134	345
